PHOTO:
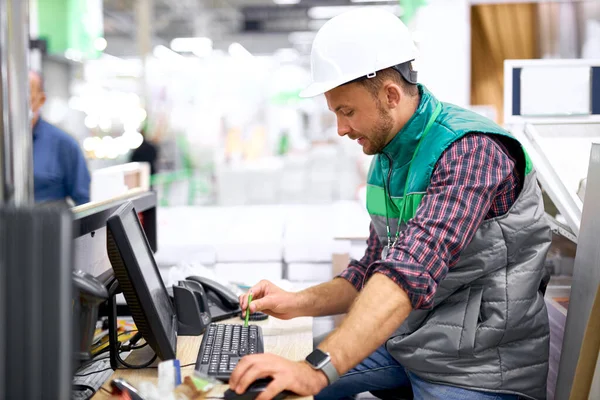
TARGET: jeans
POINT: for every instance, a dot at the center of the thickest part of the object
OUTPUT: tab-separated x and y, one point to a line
381	371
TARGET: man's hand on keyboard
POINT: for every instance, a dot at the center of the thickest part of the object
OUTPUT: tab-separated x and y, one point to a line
272	300
296	376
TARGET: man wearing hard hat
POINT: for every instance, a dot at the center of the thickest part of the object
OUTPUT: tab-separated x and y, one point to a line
447	300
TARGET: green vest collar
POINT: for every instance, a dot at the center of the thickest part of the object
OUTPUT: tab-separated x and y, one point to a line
404	144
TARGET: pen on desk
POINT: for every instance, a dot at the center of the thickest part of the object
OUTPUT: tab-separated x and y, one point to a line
248	309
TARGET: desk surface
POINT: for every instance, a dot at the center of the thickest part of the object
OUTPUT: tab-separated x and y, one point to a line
290	339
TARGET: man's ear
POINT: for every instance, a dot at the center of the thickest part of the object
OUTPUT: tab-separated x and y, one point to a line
393	95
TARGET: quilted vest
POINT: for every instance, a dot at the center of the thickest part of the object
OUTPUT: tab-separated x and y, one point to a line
488	328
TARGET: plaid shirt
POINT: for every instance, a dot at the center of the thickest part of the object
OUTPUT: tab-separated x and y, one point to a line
475	178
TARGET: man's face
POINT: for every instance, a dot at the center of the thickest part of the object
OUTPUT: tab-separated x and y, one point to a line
361	116
36	95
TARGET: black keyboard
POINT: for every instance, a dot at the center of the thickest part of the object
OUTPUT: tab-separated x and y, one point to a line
224	345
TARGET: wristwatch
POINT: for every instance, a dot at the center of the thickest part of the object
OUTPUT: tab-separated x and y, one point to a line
319	360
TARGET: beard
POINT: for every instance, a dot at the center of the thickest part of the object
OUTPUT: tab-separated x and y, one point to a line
378	137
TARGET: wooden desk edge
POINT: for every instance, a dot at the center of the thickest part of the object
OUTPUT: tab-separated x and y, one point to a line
300	335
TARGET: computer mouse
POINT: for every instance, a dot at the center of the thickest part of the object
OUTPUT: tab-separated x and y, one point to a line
254	390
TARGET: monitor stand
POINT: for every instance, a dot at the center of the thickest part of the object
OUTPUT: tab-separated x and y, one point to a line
190	319
114	345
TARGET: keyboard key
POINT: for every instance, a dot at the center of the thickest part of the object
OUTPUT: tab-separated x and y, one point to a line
233	362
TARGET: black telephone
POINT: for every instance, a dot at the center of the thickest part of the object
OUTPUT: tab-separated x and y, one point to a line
222	302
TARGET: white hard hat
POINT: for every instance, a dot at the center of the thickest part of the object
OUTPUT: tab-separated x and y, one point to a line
357	43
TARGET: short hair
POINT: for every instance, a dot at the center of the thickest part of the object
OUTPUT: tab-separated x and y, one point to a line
374	85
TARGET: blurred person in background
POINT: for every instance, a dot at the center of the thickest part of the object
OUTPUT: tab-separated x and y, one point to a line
147	152
448	300
60	172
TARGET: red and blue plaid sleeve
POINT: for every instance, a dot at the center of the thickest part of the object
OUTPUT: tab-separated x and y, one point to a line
355	273
474	179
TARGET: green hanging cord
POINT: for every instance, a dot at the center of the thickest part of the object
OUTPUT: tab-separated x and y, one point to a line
387	219
436	113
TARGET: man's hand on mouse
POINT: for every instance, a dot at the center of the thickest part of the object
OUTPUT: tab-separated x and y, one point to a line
272	300
295	376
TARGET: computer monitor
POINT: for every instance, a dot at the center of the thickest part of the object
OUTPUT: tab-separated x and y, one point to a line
136	271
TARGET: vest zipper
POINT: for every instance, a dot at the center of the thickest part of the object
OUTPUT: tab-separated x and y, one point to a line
389	175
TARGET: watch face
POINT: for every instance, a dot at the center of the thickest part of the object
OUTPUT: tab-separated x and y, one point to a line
316	358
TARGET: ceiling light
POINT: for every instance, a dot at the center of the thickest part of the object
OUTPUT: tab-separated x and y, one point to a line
99	152
75	103
91	122
133	139
286	55
373	1
73	55
105	124
328	12
237	50
165	53
121	145
286	2
200	46
100	44
203	52
89	144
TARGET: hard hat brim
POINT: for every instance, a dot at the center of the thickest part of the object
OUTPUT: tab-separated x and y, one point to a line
317	88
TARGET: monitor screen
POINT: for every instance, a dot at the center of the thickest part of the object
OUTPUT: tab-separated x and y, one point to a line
143	288
145	260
